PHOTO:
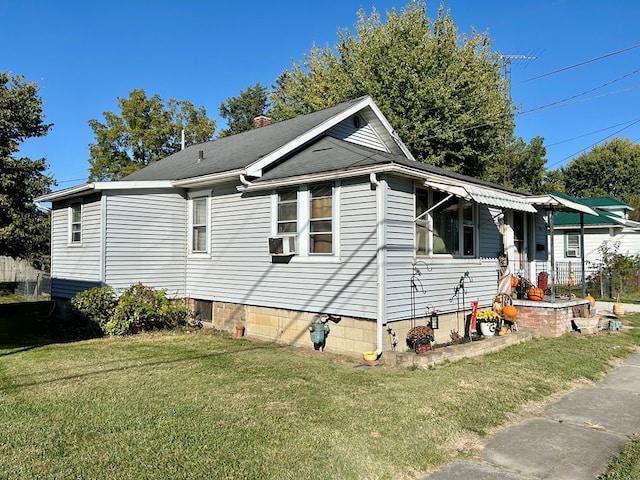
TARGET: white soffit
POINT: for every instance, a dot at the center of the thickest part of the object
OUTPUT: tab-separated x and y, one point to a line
486	196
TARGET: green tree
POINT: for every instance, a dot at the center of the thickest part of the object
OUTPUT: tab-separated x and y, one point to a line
147	130
241	110
443	93
24	230
522	166
612	169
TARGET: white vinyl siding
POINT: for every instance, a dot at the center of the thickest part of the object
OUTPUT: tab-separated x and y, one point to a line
438	275
364	134
75	267
489	231
242	271
146	240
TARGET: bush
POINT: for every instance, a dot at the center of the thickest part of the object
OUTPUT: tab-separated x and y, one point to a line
95	305
139	308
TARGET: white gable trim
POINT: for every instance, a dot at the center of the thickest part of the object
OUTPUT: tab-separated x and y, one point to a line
255	169
102	186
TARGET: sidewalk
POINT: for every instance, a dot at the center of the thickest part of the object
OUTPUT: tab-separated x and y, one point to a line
574	439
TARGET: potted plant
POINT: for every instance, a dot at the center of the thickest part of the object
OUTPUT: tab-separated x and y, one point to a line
489	322
419	338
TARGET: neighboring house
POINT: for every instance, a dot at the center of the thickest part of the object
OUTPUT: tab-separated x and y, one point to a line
611	225
323	213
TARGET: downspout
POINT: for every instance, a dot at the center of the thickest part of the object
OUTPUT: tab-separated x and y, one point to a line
103	239
244	180
381	254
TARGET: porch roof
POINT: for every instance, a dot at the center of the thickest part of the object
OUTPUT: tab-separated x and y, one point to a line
484	195
561	202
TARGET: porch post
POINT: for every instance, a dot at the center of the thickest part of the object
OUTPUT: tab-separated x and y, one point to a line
584	286
553	257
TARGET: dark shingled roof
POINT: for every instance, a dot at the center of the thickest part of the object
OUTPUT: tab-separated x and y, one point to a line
330	154
236	151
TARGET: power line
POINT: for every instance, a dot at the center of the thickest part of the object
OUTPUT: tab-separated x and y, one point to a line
581	63
526	112
590	133
594	144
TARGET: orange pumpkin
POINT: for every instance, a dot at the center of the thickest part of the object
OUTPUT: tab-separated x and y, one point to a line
510	311
514	282
536	294
591	299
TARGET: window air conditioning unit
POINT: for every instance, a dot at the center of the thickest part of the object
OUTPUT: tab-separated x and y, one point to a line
282	245
572	252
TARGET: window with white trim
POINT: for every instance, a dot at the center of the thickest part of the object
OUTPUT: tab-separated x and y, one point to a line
199	228
287	212
75	223
449	228
573	244
321	220
308	212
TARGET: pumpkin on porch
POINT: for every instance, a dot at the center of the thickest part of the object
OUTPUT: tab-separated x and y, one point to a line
536	294
510	312
514	281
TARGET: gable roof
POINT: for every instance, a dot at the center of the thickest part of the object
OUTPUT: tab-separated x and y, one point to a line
251	151
602	218
332	158
605	202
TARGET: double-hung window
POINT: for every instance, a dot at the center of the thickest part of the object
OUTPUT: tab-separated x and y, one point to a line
75	223
308	214
449	227
321	219
287	212
573	245
199	220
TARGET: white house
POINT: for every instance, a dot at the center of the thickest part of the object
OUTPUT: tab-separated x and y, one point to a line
326	213
611	225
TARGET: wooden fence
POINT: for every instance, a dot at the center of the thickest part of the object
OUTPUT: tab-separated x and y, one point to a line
31	283
16	270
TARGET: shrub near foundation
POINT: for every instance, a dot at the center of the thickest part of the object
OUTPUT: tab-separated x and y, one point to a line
95	305
139	308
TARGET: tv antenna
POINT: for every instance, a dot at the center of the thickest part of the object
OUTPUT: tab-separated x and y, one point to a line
506	60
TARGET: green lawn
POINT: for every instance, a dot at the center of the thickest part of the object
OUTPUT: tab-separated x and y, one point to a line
203	405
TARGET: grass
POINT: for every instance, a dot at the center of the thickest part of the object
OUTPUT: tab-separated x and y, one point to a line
626	466
185	404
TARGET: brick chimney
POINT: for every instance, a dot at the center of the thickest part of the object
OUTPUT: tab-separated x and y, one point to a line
261	121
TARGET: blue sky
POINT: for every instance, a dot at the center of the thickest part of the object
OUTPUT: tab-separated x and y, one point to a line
86	54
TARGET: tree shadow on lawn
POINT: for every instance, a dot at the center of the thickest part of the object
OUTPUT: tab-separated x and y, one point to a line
28	325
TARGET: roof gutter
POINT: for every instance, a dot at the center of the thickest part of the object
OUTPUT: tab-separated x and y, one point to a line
328	176
207	179
102	186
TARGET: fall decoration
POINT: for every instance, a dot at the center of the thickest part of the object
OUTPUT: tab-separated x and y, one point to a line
419	335
536	294
488	316
509	311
